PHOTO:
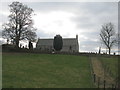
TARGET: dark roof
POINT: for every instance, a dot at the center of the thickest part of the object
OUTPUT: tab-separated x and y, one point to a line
66	41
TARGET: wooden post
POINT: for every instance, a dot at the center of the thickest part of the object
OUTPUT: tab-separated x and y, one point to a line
94	76
98	82
112	86
104	84
115	87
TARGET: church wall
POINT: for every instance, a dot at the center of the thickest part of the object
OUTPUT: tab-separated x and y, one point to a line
69	45
69	48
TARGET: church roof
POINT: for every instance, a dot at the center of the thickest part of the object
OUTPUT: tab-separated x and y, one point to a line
66	41
70	41
45	42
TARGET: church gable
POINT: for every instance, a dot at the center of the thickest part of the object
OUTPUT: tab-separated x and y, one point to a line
69	45
68	42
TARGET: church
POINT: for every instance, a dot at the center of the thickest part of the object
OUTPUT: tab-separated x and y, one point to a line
69	45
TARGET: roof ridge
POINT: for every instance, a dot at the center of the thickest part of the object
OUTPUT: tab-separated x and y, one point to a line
53	38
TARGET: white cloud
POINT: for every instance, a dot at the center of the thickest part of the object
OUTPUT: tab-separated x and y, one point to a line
69	19
4	13
57	22
61	0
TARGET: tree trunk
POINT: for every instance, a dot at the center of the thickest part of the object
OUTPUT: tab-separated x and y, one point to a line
109	50
17	42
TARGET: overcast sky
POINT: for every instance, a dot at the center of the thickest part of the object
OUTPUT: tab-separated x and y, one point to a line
70	18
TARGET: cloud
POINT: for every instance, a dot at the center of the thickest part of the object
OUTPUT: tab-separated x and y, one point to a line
57	22
71	18
89	46
95	14
61	0
43	34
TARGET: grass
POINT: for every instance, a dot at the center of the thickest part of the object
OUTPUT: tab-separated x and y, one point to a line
112	64
45	71
98	69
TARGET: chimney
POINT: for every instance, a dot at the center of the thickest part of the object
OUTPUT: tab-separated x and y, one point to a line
77	37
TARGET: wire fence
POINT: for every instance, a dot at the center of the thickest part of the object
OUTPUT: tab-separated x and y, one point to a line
100	82
103	81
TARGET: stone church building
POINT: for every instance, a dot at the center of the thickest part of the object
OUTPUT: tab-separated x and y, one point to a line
69	45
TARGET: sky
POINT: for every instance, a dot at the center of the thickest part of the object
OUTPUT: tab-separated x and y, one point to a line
69	18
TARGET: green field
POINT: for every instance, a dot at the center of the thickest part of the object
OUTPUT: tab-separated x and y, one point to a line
111	65
45	71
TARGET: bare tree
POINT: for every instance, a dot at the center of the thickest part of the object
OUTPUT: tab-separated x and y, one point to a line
107	35
20	25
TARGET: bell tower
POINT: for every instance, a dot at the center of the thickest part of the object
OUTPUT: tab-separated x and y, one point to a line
77	37
77	44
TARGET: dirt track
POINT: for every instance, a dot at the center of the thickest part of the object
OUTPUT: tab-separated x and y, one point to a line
99	71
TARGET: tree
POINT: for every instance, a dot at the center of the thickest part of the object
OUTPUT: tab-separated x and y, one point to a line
20	25
58	43
107	35
30	45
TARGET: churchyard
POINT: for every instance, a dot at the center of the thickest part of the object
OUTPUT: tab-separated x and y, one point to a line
28	70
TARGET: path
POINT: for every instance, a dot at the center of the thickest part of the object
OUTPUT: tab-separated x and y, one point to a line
99	71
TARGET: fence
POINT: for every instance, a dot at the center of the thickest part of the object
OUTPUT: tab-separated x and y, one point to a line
109	71
101	82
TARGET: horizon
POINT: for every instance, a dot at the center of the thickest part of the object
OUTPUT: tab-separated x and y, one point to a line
69	19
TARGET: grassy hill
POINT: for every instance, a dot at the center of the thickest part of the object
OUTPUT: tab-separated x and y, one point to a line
111	65
45	71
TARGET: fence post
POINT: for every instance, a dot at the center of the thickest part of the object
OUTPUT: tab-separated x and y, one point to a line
112	86
94	76
98	82
115	87
104	84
